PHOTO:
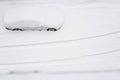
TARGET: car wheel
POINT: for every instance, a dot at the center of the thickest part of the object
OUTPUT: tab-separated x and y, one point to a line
51	29
17	29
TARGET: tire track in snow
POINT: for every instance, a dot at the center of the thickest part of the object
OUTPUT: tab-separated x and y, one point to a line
64	59
57	42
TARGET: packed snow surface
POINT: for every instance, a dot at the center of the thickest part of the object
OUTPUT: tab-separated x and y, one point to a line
86	48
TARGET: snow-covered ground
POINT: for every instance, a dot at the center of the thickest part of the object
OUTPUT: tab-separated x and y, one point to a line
86	48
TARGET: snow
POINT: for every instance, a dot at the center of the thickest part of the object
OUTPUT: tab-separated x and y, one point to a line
109	1
80	22
64	2
33	16
87	47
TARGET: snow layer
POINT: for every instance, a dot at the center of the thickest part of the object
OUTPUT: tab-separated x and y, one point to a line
33	16
90	58
81	21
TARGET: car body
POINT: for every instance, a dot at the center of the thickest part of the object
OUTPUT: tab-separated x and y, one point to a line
40	18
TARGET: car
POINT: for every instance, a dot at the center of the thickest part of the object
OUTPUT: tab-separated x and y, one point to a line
35	18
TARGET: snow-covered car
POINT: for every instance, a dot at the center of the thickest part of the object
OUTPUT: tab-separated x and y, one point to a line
41	18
